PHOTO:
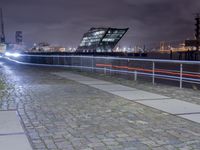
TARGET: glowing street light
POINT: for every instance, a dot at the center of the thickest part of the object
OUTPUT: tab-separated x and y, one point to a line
8	54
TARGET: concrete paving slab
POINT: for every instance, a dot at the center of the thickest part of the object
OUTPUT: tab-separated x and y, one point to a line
138	95
192	117
14	142
75	77
66	75
172	106
9	123
84	79
112	87
95	82
156	101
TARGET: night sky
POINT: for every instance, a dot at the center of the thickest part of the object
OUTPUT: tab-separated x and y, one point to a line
64	21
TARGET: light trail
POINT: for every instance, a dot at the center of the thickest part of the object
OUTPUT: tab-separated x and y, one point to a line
149	70
174	75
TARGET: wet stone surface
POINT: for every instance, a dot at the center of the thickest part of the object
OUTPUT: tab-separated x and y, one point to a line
191	95
59	114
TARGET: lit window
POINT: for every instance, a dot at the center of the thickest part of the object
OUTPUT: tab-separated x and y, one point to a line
108	40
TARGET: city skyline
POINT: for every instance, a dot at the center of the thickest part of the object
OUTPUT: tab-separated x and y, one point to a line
63	22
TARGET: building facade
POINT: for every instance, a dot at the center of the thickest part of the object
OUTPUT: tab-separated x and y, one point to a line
101	39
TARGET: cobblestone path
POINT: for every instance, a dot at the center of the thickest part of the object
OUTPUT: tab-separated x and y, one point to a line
59	114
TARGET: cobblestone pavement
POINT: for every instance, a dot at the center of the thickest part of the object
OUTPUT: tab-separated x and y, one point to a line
60	114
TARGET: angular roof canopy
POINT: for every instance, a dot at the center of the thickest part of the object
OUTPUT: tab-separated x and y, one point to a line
101	39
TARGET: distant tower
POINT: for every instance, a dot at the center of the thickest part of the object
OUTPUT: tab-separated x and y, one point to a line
3	39
197	24
197	31
18	37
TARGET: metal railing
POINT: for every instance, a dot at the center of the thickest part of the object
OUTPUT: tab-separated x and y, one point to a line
173	70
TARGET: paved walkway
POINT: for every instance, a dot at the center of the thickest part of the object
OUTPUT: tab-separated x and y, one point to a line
12	135
173	106
59	113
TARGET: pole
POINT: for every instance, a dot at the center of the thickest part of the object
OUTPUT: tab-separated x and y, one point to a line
181	76
92	63
2	27
135	75
197	34
153	73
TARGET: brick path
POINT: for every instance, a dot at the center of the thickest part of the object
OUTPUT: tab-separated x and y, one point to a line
60	114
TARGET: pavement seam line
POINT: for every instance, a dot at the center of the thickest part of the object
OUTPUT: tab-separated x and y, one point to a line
193	113
14	133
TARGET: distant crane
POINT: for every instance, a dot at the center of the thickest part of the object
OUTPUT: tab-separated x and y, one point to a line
197	31
3	39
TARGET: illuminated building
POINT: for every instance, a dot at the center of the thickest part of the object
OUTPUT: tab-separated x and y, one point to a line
2	48
18	37
101	39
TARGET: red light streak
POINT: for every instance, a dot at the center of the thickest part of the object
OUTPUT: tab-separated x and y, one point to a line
149	70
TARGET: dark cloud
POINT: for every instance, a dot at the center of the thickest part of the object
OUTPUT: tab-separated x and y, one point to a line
64	21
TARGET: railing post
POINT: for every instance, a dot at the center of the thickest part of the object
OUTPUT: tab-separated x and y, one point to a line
135	75
72	62
92	63
111	62
104	66
153	73
81	64
127	66
181	76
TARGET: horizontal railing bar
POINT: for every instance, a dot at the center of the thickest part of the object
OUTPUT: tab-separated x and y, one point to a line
161	76
118	58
